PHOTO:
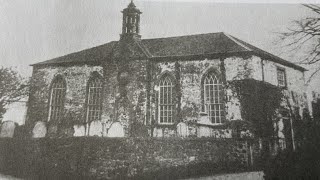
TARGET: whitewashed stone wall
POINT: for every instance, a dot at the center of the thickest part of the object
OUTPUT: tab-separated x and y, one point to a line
296	88
76	78
295	78
191	72
191	75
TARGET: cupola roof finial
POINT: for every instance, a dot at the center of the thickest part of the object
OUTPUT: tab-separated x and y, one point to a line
131	21
131	4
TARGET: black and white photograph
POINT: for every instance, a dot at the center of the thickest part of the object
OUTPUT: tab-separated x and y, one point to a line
159	90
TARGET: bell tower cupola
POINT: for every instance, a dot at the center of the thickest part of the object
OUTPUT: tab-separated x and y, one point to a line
131	21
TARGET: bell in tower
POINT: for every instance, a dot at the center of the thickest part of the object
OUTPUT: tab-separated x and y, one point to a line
131	21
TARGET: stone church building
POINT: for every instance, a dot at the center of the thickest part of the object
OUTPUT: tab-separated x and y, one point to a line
170	86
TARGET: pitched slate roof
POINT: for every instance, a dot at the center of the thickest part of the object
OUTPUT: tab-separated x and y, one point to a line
170	47
93	55
192	45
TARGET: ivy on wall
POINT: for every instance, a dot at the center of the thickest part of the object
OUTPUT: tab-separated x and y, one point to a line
177	70
259	104
38	99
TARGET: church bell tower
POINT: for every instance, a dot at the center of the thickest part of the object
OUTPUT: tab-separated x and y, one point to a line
131	22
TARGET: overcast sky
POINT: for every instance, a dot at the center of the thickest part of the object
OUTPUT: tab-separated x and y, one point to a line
36	30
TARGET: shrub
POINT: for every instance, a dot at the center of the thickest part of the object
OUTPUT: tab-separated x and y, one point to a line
304	162
120	158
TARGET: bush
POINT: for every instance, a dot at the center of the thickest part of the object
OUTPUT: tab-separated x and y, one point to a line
120	158
304	162
293	165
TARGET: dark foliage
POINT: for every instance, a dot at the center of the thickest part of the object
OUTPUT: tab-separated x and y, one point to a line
120	158
138	130
304	162
259	103
20	132
316	110
239	126
12	88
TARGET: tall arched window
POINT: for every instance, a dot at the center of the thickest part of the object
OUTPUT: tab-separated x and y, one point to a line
213	98
94	98
166	100
57	97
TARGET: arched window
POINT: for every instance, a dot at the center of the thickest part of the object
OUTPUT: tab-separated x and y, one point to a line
213	98
94	98
57	97
166	100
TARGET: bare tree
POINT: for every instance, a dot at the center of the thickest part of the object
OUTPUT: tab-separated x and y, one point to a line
12	88
304	32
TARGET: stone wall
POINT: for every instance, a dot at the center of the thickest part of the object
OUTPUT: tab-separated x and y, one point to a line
190	73
125	95
187	76
131	90
295	78
296	88
76	78
246	67
123	158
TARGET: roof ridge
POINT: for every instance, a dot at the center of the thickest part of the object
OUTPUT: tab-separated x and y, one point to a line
259	50
178	36
236	41
186	45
